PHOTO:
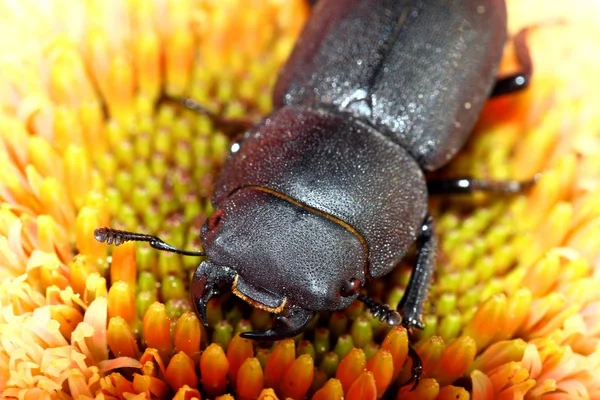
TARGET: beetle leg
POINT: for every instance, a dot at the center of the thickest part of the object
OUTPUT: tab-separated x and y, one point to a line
205	284
519	81
284	326
470	185
416	369
231	127
416	292
381	311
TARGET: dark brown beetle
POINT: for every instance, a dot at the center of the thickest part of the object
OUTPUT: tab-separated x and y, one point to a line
329	190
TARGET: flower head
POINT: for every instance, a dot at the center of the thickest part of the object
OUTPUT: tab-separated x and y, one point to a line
89	137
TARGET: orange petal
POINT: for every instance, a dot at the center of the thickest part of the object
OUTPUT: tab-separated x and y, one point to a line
121	340
453	393
123	265
381	365
156	326
187	334
428	389
488	321
238	351
181	372
250	379
213	369
187	393
298	378
455	360
268	394
350	368
121	302
280	360
364	388
396	343
332	390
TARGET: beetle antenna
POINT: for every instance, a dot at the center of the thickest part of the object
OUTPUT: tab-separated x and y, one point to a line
381	311
231	127
117	237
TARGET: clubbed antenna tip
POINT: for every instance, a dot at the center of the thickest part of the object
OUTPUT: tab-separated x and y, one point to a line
117	237
100	234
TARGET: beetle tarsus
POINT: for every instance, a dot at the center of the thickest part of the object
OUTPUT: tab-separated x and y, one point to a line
416	369
381	311
284	326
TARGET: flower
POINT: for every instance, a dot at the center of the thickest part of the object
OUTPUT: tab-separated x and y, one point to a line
88	138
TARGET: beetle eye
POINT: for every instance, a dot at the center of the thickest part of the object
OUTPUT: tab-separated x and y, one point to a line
350	288
213	222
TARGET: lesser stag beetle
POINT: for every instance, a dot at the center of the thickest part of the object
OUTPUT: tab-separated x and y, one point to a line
329	190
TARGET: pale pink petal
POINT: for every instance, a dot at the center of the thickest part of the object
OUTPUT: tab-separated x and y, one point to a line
97	317
482	386
121	362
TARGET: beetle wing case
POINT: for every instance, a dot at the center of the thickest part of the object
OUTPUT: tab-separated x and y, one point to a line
339	167
426	82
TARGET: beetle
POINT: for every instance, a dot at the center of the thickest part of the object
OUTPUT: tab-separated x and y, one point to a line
330	190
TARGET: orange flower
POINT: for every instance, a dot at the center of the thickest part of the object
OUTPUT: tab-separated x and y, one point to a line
87	139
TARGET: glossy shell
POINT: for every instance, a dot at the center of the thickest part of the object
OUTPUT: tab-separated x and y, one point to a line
420	71
337	166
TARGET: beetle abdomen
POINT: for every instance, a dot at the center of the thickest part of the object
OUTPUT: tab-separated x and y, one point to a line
418	70
340	167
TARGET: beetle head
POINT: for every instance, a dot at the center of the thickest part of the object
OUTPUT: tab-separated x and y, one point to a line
276	254
279	256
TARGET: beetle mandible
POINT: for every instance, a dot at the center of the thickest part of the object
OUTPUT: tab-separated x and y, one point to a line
329	190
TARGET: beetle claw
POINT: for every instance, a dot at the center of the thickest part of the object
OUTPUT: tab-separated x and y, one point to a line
416	369
284	326
204	286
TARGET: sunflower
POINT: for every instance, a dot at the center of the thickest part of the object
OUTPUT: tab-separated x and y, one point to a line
88	138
